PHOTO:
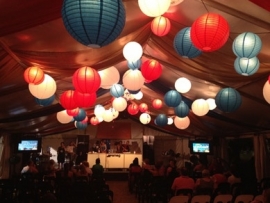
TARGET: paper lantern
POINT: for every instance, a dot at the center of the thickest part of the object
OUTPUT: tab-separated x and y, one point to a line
228	99
181	123
133	109
161	120
119	104
247	45
133	80
151	69
45	89
157	103
63	117
138	96
86	80
107	116
99	110
133	65
183	45
172	98
94	23
246	67
182	85
80	116
170	121
127	95
45	102
80	125
117	90
94	120
160	26
211	103
176	2
143	107
145	118
85	120
209	32
266	91
200	107
182	110
132	51
133	92
84	100
115	113
109	76
154	8
67	100
73	112
33	75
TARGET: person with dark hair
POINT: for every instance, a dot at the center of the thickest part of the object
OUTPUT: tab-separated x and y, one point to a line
61	153
134	173
183	181
29	168
97	170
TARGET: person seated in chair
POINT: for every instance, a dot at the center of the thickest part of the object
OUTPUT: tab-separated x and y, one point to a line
97	170
204	185
29	168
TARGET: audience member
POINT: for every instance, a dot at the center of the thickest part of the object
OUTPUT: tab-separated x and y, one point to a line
216	166
158	169
87	168
68	171
234	177
183	181
219	178
125	147
134	173
71	151
61	153
103	147
82	172
204	183
97	170
29	168
51	170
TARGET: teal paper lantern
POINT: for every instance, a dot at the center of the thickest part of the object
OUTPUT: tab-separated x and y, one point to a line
117	90
80	116
172	98
228	99
133	65
80	125
161	120
247	45
45	102
94	23
182	110
245	66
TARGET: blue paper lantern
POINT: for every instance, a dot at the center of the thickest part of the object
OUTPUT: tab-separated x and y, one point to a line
94	23
161	120
45	102
245	66
134	91
182	110
247	45
80	116
172	98
117	90
133	65
183	45
228	99
80	125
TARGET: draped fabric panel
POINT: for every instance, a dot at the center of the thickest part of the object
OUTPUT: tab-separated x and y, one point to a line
4	156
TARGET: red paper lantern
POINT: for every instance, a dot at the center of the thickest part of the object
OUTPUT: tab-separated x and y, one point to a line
209	32
151	69
86	80
133	109
67	100
143	107
160	26
94	120
73	112
84	99
85	120
34	75
157	103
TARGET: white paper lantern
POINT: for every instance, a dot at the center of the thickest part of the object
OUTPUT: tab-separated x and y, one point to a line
119	104
109	77
127	95
45	89
114	113
63	117
170	121
132	51
266	91
138	96
133	80
182	85
107	115
99	110
181	123
211	103
145	118
154	8
200	107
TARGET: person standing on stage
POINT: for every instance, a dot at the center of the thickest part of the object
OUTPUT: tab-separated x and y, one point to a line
61	153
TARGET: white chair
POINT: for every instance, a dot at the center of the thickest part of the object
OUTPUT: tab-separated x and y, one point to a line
243	199
259	198
201	199
179	199
223	198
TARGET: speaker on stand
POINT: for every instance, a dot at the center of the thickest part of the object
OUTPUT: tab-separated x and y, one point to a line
82	148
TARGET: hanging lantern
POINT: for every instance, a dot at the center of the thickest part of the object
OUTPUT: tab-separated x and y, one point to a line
94	23
181	123
133	65
127	95
109	76
200	107
182	110
228	99
176	2
145	118
151	69
86	80
154	8
161	120
80	125
117	90
73	112
115	113
85	120
211	103
132	51
107	116
94	120
33	75
84	100
183	45
157	103
143	107
247	45
99	110
172	98
170	121
80	116
246	67
45	89
160	26
45	102
63	117
133	80
67	100
266	91
209	32
119	104
182	85
133	109
133	92
138	96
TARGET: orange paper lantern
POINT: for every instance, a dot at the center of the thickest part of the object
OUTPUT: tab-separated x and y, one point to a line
133	109
160	26
34	75
143	107
157	103
94	120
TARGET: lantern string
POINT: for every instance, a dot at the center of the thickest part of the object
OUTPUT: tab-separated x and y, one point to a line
205	6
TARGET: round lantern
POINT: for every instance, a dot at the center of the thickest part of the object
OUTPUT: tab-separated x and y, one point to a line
151	69
170	121
157	103
109	76
266	91
117	90
119	104
181	123
138	96
85	120
172	98
247	45
176	2
67	100
160	26
80	116
45	89
99	110
94	120
84	99
183	45
80	125
133	79
209	32
145	118
107	116
133	92
73	112
133	65
33	75
211	103
115	113
127	95
45	102
154	8
63	117
132	51
94	23
143	107
246	67
133	109
228	99
200	107
182	110
161	120
86	80
182	85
